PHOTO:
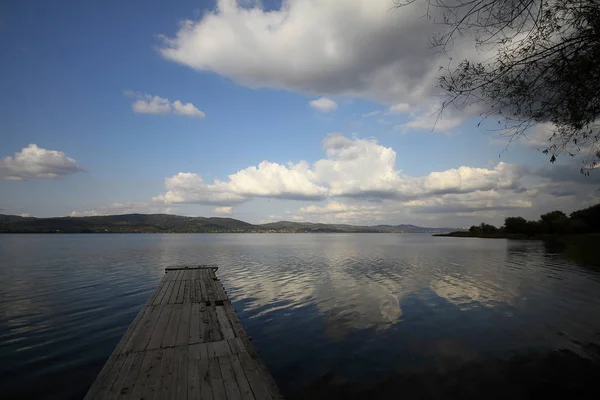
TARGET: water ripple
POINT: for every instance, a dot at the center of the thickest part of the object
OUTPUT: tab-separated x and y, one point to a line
328	310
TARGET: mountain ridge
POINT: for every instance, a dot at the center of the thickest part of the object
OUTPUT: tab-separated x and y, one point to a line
169	223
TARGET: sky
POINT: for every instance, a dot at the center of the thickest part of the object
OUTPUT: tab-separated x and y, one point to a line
306	110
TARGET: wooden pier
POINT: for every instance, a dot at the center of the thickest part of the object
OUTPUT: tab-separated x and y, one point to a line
186	343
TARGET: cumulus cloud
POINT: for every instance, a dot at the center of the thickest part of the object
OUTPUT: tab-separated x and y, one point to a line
148	104
354	47
353	168
186	109
34	162
485	200
323	104
152	105
188	187
223	210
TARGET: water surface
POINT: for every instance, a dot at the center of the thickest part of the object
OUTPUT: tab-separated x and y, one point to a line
333	315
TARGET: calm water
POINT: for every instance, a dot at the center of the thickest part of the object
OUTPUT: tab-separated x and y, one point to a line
333	315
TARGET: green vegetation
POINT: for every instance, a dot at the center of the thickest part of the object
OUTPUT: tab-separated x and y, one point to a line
555	223
164	223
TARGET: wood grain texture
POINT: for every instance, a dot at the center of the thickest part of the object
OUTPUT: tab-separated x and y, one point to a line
186	342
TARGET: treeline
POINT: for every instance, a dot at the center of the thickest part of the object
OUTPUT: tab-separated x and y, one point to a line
552	223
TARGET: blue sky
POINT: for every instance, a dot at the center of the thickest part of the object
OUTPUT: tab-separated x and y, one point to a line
120	98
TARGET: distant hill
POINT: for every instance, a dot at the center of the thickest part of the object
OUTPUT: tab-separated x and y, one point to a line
166	223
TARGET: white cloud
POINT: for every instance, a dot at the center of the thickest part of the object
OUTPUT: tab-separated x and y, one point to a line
433	121
332	207
148	104
371	114
190	188
312	46
269	179
353	168
34	162
323	104
152	105
339	212
187	109
223	210
399	108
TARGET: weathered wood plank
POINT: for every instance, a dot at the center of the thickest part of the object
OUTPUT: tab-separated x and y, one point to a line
160	326
167	375
117	386
134	329
106	377
221	295
193	292
131	376
236	324
151	361
183	331
206	389
211	289
204	324
216	379
175	275
224	323
180	274
189	275
214	331
152	384
231	386
169	276
259	388
163	289
187	291
156	292
160	299
180	392
194	333
142	337
204	296
241	379
218	349
181	355
173	297
179	298
193	370
185	343
183	274
172	326
236	346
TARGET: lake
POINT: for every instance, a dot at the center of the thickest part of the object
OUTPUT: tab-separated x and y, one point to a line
333	315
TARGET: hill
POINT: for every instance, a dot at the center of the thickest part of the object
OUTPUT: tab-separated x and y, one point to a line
166	223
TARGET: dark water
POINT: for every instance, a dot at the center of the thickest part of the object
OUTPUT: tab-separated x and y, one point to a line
333	315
